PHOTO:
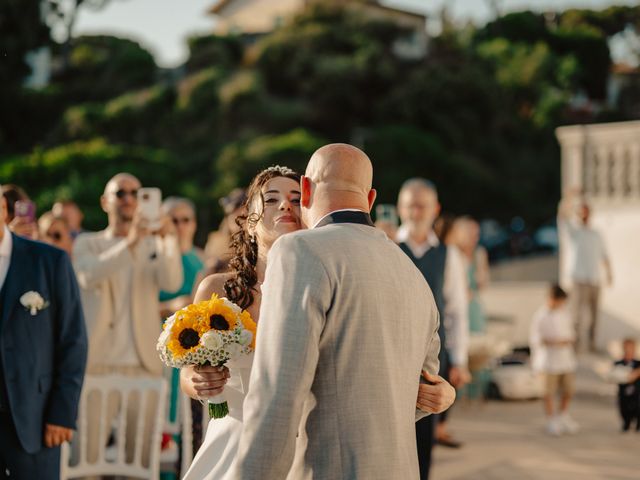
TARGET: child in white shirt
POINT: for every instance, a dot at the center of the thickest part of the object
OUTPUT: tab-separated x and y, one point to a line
552	338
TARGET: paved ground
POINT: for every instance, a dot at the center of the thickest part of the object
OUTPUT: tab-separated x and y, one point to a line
506	440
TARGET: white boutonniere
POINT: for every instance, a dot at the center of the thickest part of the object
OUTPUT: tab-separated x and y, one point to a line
33	302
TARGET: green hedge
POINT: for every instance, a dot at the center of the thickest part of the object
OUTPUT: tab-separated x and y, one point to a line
80	171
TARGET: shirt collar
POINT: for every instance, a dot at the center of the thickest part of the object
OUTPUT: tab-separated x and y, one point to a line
341	210
403	236
7	243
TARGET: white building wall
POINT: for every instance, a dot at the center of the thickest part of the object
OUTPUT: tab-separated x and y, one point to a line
603	161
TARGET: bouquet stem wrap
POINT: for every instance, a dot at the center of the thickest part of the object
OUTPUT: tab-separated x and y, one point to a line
218	407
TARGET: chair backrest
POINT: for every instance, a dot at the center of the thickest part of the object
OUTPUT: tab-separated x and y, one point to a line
150	396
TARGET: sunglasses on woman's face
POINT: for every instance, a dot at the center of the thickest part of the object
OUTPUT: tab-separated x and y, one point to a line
179	220
120	194
55	236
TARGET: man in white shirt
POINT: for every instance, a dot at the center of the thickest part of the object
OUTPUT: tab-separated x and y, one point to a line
551	339
589	257
121	271
443	268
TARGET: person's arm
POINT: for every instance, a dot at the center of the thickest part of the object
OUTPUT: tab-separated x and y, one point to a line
296	295
605	261
535	336
483	276
92	268
169	259
431	364
70	356
457	315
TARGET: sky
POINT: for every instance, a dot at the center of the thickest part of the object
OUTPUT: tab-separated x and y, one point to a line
162	26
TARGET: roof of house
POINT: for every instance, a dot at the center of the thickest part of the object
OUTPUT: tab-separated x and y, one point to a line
221	4
624	69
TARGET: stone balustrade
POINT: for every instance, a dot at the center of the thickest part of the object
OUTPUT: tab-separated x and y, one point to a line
602	160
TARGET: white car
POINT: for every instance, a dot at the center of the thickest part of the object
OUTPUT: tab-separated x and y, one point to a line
513	379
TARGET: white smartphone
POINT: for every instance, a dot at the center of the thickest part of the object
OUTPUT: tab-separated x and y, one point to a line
149	204
387	213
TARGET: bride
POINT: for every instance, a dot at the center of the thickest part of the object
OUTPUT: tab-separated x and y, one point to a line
272	209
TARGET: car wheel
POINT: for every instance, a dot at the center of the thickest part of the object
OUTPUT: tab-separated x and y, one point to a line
493	392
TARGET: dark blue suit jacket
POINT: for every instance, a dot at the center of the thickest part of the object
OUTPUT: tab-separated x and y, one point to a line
44	355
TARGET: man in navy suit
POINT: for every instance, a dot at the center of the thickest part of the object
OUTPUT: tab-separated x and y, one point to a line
43	352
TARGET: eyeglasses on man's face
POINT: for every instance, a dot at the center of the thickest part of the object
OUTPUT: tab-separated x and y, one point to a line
55	236
181	220
120	194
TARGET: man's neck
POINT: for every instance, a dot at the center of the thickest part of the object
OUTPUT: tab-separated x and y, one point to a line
119	228
185	246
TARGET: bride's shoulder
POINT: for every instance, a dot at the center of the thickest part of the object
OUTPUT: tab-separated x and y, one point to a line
213	284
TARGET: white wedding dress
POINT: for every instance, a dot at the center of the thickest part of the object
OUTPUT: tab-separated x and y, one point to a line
217	453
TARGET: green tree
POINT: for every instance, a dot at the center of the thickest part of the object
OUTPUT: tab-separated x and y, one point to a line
102	67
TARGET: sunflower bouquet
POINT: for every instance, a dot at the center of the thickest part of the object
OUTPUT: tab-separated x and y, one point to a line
211	332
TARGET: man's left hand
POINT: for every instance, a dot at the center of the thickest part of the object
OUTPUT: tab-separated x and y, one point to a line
437	397
459	376
55	435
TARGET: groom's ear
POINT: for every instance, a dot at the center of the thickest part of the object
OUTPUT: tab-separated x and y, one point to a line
371	197
305	191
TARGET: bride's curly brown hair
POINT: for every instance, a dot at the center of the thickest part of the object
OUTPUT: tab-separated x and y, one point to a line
240	288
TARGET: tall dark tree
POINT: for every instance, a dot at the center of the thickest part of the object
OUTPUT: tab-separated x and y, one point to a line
21	31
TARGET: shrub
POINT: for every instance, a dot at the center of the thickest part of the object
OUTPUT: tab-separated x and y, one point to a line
81	169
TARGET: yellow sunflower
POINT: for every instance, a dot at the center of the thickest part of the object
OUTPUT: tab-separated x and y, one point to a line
217	315
186	331
250	325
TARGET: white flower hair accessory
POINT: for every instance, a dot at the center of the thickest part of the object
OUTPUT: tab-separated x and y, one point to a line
33	302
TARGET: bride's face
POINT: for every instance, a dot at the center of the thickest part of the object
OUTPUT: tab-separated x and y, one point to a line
280	209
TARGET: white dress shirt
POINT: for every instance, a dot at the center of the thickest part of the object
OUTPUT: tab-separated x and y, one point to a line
589	253
6	247
552	325
454	291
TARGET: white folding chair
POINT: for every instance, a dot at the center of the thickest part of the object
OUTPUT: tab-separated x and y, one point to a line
148	393
181	426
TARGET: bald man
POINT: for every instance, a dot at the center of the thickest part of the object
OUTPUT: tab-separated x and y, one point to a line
121	271
347	326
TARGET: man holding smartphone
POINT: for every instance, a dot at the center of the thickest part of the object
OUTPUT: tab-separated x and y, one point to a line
121	271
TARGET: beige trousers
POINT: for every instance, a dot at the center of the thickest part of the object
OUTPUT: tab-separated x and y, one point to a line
586	304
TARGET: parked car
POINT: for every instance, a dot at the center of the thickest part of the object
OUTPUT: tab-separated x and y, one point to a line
514	379
546	238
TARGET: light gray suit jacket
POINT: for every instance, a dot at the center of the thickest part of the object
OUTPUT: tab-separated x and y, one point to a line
347	323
